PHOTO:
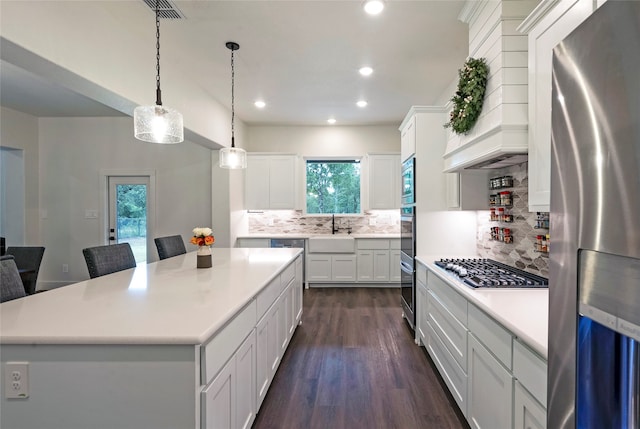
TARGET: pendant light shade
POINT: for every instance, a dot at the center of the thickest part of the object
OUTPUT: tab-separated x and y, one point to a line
232	157
158	124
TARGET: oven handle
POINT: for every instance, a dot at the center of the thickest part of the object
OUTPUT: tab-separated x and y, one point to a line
406	267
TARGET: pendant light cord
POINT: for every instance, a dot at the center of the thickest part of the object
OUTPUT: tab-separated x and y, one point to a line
158	93
233	112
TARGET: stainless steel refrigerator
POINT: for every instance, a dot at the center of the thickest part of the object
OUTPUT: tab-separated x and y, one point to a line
594	288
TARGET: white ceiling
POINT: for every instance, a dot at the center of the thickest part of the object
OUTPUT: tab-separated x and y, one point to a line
301	57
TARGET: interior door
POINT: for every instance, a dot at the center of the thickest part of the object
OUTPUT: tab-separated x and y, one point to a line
130	213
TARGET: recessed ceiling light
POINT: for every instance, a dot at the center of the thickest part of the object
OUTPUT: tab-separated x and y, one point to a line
373	7
260	104
362	103
366	71
331	121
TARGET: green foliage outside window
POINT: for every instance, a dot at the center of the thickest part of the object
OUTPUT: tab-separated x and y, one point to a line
333	187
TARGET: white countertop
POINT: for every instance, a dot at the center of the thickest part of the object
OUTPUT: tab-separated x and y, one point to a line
165	302
525	312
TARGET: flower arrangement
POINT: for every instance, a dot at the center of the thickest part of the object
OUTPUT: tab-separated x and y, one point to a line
468	99
202	237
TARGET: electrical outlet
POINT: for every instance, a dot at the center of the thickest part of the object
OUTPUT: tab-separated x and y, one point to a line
65	268
16	380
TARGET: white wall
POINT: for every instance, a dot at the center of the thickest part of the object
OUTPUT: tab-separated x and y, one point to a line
74	152
324	140
20	131
75	50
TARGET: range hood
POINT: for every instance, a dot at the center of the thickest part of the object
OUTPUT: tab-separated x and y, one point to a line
499	147
500	136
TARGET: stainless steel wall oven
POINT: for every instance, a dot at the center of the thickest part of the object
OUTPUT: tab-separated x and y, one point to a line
407	263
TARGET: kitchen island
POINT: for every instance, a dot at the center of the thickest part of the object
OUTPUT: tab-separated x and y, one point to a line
164	345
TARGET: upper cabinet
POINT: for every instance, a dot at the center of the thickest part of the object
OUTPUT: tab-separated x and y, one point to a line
270	182
384	182
408	138
425	126
546	26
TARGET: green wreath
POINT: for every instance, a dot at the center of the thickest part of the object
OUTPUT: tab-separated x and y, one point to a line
468	99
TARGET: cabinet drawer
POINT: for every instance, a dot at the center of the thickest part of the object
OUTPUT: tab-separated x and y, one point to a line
227	339
454	376
452	300
372	244
531	370
267	297
287	275
491	334
452	333
394	244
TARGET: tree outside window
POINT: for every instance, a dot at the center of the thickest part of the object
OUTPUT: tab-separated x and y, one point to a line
333	187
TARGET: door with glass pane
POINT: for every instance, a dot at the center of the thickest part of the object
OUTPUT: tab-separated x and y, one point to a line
129	213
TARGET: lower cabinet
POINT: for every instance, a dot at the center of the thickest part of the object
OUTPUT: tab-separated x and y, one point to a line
528	413
268	356
228	401
490	389
394	265
375	265
331	268
497	381
422	312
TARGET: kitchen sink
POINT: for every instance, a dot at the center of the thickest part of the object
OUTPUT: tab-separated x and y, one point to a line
332	244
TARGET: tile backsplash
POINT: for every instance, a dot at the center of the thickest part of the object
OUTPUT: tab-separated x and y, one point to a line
522	252
293	221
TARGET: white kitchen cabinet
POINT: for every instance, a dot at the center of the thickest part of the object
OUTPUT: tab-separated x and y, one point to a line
298	292
218	400
285	316
468	190
343	268
394	266
527	412
378	260
318	268
331	268
408	138
254	242
373	265
384	182
270	182
364	266
276	327
246	379
229	400
490	390
546	26
422	317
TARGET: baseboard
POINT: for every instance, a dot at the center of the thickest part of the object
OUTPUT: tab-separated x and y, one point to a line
367	285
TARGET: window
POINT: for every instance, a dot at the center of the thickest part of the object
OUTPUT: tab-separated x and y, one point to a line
333	186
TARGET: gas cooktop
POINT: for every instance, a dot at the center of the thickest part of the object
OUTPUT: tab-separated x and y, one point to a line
487	273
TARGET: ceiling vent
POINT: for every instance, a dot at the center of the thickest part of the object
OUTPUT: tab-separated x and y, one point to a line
166	9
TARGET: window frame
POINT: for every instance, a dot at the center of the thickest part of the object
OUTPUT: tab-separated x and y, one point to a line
359	159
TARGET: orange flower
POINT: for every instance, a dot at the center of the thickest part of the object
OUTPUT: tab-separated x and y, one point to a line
209	240
194	240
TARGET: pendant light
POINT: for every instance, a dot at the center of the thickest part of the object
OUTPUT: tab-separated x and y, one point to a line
158	124
232	157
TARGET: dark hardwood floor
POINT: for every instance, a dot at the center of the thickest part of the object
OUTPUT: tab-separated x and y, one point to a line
353	364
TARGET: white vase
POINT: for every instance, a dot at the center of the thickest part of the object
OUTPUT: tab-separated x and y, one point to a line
204	250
